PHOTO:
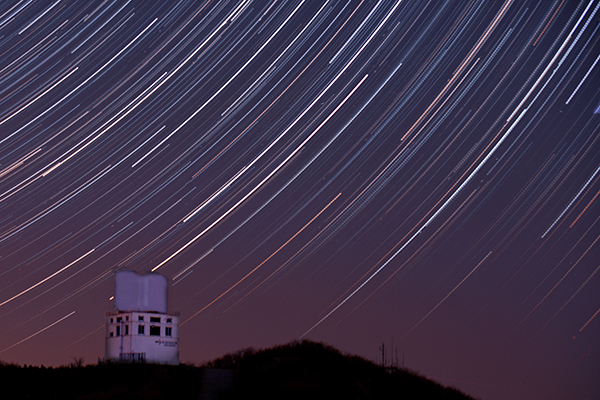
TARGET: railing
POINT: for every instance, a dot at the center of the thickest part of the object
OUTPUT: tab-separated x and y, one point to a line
132	358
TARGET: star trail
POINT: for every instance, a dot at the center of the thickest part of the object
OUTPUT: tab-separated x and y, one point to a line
353	172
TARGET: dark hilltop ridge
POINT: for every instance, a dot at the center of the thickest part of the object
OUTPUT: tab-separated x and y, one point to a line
298	370
310	370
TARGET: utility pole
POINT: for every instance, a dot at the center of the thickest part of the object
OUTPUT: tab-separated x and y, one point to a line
383	360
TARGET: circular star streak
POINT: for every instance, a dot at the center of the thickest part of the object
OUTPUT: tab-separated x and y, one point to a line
354	172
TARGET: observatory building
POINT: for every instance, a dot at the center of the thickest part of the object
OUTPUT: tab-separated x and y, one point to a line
141	330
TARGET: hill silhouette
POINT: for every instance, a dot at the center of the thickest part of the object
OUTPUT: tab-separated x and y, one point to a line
298	370
311	370
98	382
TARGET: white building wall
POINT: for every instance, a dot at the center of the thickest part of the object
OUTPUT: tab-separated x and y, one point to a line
159	341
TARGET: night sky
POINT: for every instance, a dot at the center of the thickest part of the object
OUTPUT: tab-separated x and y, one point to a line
425	173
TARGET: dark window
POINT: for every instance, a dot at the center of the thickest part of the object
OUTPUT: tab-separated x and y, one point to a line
118	330
111	320
154	319
126	329
140	318
140	329
169	320
168	331
110	334
119	319
127	318
155	331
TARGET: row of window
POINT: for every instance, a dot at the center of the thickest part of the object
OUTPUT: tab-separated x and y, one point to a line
141	318
154	330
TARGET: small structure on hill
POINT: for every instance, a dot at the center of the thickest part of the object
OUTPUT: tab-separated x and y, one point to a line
141	330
